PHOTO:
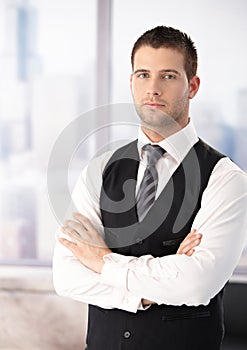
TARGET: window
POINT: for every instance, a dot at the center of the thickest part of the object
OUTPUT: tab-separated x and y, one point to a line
47	65
48	61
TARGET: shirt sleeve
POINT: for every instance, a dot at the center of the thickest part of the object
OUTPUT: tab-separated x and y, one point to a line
180	279
70	277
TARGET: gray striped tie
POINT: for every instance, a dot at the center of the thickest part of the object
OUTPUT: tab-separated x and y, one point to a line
146	193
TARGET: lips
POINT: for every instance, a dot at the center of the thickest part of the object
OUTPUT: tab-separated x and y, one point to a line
154	104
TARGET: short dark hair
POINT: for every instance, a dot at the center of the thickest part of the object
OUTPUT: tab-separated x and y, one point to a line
169	37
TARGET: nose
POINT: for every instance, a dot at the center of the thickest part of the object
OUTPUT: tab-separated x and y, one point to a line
153	88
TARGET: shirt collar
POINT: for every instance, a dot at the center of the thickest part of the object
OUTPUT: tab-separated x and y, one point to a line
177	145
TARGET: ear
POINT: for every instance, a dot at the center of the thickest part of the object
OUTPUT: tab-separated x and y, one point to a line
194	86
131	78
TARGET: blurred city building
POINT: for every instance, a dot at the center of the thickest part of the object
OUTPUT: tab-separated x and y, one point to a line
48	77
35	106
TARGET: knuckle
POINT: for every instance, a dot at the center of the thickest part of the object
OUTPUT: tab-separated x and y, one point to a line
86	220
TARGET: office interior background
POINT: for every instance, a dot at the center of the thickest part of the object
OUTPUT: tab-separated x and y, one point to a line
61	59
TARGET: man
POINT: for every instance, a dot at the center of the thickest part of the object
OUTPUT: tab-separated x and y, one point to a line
142	294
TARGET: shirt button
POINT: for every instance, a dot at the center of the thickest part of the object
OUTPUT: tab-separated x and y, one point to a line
127	334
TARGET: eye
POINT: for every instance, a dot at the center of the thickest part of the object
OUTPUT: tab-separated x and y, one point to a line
169	76
143	75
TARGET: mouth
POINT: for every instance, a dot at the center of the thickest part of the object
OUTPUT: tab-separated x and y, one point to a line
154	104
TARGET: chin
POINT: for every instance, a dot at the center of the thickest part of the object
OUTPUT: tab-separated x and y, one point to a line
158	119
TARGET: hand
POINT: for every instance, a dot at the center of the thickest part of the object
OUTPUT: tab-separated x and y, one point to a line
192	240
88	245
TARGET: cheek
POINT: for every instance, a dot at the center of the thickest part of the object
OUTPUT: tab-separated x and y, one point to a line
179	93
136	91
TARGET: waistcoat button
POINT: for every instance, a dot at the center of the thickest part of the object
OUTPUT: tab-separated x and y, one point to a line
127	334
139	240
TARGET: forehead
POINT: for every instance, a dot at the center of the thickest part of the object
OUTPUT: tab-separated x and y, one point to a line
147	57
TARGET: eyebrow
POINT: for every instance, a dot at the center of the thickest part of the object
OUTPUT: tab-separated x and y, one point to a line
161	71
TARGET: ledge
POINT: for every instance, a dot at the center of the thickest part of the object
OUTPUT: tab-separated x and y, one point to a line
39	279
26	278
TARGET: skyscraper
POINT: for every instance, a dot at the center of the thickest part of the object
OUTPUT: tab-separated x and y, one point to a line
241	132
19	64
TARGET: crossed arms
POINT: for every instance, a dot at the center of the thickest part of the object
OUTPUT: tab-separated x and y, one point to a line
86	270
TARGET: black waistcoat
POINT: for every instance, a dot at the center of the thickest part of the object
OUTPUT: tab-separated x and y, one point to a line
159	234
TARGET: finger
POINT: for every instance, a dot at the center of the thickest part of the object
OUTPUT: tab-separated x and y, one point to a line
76	226
70	245
91	235
189	240
193	239
192	233
71	233
84	221
84	237
185	246
190	244
190	252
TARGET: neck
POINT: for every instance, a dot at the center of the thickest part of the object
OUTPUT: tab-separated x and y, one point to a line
157	135
152	135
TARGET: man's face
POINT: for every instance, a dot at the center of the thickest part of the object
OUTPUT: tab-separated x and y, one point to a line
160	87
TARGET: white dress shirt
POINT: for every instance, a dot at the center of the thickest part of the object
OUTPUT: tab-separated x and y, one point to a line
173	279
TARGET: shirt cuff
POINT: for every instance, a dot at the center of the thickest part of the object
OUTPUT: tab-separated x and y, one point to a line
114	272
125	301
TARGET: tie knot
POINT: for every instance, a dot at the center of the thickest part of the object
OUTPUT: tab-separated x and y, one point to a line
154	153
